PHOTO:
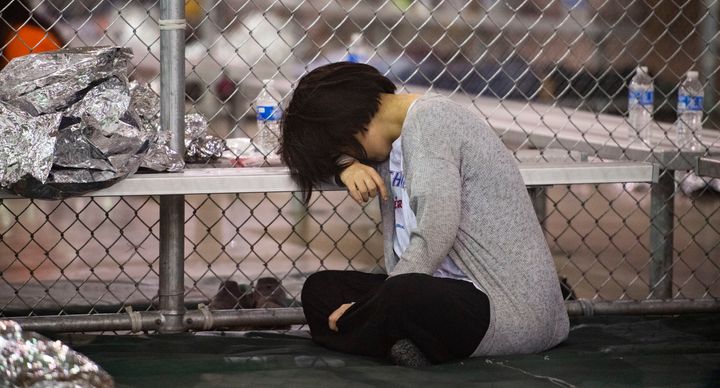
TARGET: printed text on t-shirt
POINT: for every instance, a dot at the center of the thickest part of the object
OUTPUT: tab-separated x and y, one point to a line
398	179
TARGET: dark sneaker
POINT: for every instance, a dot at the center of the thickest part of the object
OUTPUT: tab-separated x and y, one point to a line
406	353
230	295
269	293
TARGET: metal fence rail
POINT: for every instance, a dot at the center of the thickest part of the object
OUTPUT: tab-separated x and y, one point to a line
546	74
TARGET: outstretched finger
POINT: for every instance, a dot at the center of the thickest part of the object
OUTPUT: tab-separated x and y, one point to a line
372	187
379	183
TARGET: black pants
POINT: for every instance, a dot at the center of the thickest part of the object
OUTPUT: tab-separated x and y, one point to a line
445	318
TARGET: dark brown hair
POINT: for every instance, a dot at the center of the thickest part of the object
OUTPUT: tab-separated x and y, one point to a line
329	106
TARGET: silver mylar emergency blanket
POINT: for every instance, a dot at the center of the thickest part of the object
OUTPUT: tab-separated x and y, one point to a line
74	104
199	146
70	123
49	82
160	157
30	360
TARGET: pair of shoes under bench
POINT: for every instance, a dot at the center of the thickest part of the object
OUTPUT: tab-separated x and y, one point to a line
267	293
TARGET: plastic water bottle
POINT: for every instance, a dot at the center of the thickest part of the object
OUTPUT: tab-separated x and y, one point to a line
690	112
268	119
358	51
640	105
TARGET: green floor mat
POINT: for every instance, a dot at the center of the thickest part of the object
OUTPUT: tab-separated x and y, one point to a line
681	351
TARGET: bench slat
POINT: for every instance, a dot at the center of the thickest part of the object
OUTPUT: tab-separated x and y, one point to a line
709	167
548	174
277	179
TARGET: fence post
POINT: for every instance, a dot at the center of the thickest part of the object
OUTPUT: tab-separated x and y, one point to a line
172	207
709	60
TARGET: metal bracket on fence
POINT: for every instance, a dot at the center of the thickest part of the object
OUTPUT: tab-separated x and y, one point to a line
587	307
135	319
172	24
208	322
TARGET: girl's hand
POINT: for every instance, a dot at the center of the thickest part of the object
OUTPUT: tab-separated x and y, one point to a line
363	182
335	316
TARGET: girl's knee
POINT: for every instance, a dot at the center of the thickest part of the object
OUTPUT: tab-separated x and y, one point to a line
400	286
316	284
407	279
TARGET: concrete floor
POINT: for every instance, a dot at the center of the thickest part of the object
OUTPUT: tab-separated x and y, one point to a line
103	252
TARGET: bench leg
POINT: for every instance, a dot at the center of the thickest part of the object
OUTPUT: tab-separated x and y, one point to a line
662	209
298	215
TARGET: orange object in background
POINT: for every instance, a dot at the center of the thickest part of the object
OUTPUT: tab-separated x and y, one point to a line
30	39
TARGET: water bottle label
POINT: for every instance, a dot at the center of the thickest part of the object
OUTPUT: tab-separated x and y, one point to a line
641	97
355	58
268	112
691	103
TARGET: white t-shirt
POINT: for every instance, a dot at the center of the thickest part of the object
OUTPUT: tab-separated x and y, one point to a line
405	218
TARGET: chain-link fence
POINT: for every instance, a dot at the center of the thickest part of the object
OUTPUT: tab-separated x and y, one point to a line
546	74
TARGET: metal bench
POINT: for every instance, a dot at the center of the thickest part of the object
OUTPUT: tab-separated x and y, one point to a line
277	179
172	318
